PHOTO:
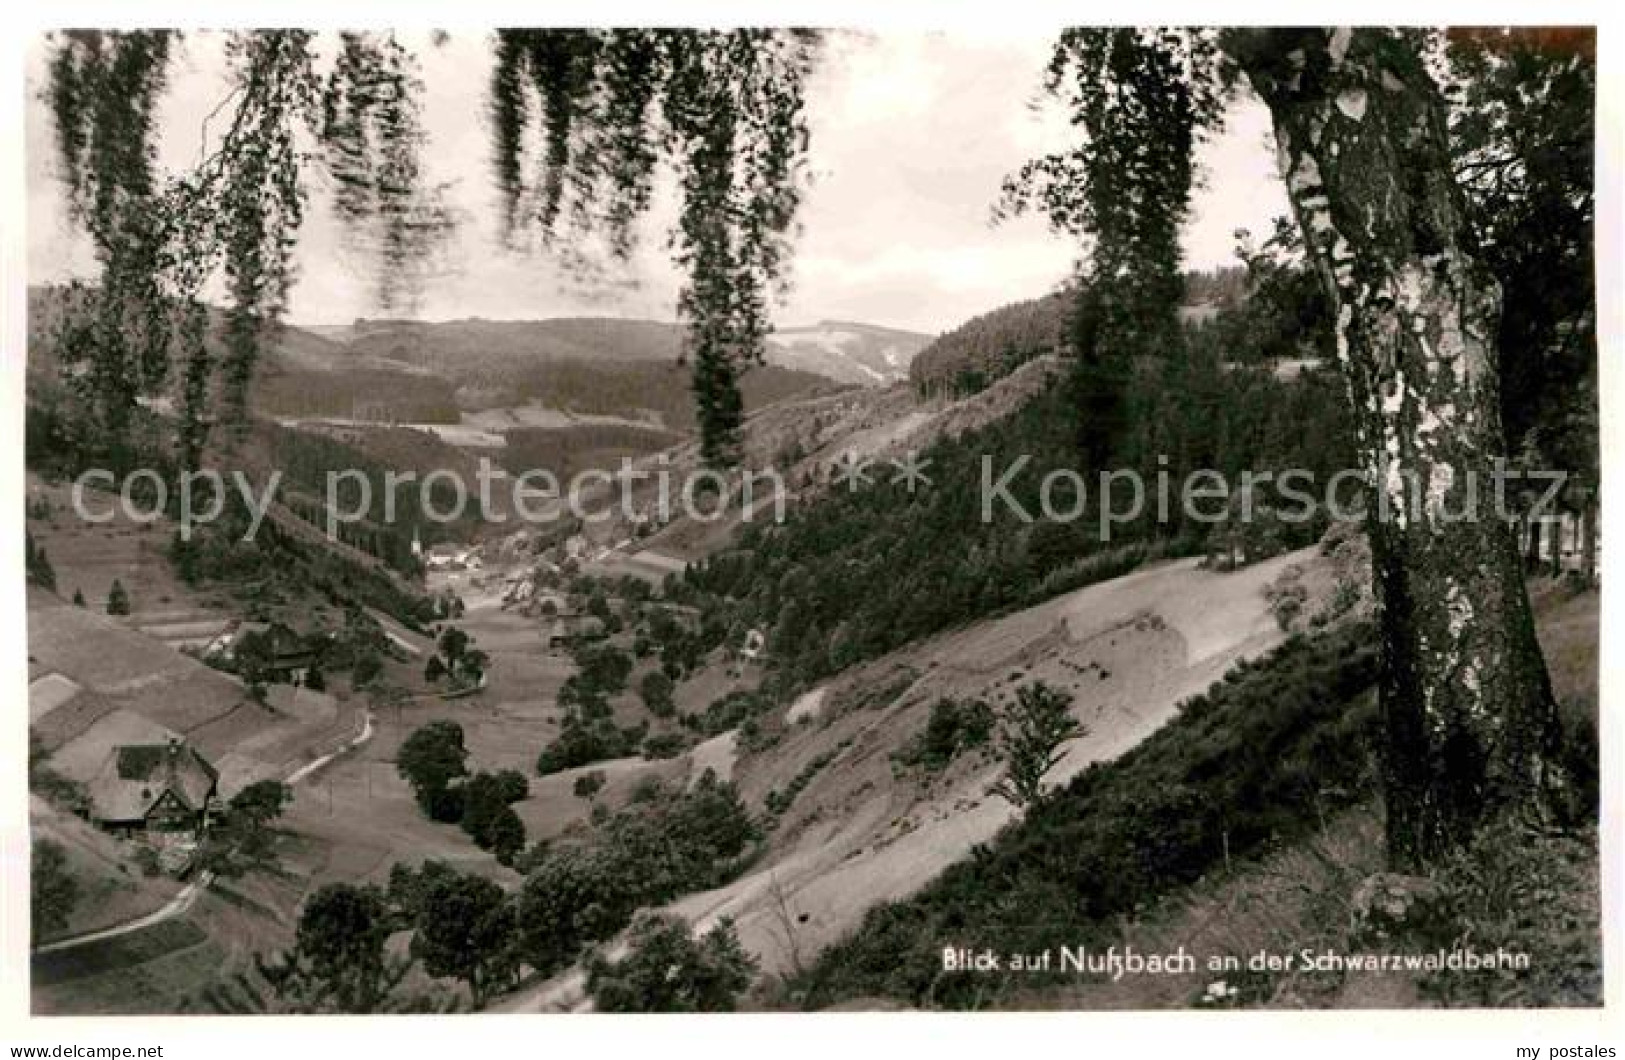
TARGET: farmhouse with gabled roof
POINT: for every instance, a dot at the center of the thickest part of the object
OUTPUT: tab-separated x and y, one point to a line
162	790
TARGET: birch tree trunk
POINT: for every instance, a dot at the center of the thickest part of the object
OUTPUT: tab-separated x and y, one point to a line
1471	724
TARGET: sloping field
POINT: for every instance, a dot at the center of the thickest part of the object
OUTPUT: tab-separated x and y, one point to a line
182	627
68	719
135	671
81	758
647	564
1128	650
553	808
88	556
133	688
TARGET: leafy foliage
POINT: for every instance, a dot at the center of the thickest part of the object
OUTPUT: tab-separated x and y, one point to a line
1125	187
53	893
103	90
433	759
656	691
1030	734
1522	112
457	659
233	217
661	846
724	108
240	837
465	930
954	726
582	742
338	962
488	815
430	759
667	969
261	802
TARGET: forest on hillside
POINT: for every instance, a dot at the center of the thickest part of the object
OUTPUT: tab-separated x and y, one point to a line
861	572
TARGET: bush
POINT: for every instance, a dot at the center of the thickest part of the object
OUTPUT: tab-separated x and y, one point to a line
953	727
729	712
1532	893
665	745
656	690
667	969
588	785
1286	596
581	742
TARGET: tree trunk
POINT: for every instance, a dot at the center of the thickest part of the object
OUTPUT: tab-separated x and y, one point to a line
1537	528
1470	720
1588	539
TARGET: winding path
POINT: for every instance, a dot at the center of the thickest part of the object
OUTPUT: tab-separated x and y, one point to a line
188	895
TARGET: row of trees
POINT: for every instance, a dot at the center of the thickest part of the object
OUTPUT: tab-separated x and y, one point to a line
434	761
469	928
464	927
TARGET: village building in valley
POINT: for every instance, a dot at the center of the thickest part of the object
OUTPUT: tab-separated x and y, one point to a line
163	791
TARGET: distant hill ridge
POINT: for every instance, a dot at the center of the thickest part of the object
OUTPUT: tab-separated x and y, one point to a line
842	350
432	372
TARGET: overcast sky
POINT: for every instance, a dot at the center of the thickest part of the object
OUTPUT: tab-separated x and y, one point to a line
911	135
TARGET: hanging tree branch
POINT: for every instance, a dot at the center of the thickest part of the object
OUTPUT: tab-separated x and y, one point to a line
1139	98
234	217
725	111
